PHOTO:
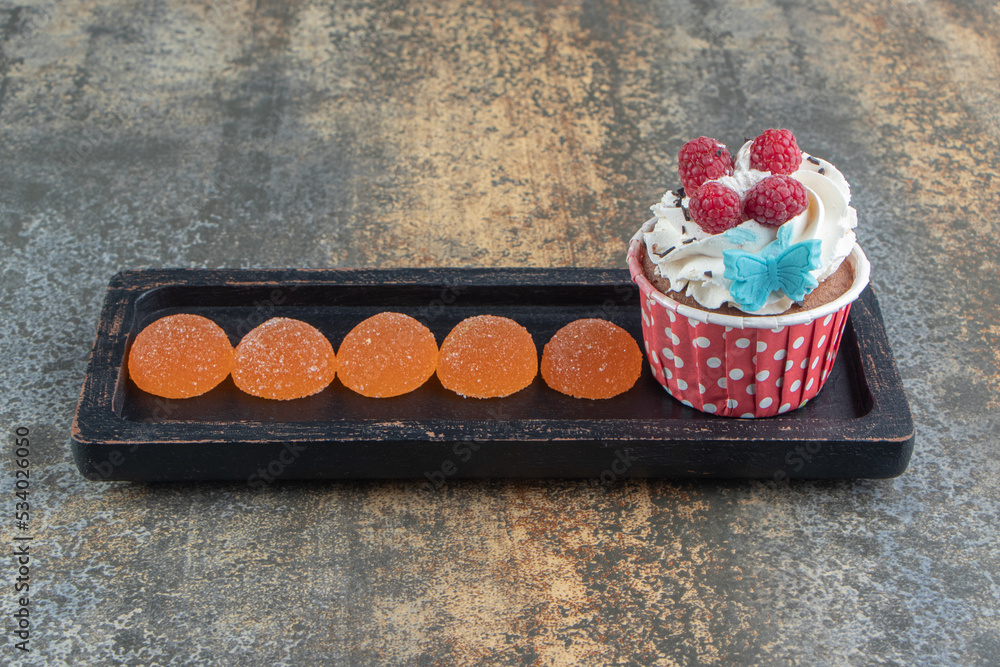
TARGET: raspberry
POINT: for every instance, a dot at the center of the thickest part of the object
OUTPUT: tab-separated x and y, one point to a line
775	151
715	208
703	159
775	200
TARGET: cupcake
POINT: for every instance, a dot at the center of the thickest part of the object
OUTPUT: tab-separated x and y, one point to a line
748	271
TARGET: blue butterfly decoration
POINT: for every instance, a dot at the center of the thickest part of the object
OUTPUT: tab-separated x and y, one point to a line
778	266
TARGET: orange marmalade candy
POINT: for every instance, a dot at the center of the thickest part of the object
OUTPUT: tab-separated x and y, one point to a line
387	355
591	358
487	357
179	356
284	359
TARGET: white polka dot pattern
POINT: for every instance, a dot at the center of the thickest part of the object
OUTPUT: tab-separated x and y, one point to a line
701	366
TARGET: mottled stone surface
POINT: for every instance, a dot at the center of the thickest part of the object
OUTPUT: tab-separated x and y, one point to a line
137	133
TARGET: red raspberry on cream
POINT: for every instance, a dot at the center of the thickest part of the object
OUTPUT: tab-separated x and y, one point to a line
715	207
703	159
775	151
775	200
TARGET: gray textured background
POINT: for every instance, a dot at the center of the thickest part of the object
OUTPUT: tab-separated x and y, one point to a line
393	134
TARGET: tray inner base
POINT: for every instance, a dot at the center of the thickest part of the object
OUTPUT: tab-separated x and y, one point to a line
334	310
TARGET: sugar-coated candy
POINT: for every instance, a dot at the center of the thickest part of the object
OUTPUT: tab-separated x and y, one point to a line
388	354
283	359
591	358
487	357
180	356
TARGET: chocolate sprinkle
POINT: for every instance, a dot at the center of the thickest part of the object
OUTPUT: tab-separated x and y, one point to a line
813	160
822	170
677	203
690	240
687	218
665	252
679	192
684	230
708	274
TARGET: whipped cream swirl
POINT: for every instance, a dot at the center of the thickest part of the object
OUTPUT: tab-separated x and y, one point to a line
692	259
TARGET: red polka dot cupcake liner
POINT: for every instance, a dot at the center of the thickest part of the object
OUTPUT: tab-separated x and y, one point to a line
741	366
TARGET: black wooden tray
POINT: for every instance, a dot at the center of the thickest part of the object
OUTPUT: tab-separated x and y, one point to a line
858	426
